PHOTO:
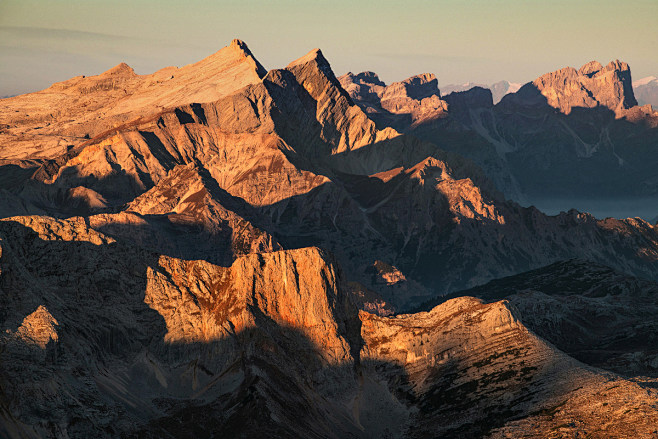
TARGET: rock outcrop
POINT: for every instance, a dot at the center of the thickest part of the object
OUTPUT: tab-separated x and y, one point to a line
589	87
128	342
596	314
413	101
45	124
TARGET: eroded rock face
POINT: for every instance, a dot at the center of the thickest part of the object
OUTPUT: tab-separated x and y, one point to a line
413	101
591	86
142	330
184	347
45	123
196	292
596	314
38	328
470	367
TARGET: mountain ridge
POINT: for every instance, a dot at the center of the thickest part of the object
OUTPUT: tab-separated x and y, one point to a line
208	267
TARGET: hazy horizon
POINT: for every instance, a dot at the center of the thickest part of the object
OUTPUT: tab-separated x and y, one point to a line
42	42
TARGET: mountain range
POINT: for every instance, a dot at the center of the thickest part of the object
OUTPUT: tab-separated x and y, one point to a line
498	89
646	90
583	125
219	250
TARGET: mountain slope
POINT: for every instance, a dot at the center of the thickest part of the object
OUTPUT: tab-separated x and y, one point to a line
582	125
290	160
44	124
598	315
186	348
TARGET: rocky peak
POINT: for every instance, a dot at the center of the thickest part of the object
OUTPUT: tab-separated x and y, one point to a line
416	87
316	58
38	328
122	69
369	78
616	65
314	73
418	96
590	69
242	48
589	87
344	125
238	44
365	88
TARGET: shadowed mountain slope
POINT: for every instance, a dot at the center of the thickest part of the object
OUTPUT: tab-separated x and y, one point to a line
186	348
200	268
568	136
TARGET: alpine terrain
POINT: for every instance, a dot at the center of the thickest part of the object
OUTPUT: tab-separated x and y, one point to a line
219	250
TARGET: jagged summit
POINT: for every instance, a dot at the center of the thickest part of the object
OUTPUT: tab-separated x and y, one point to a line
591	68
241	45
368	77
416	87
119	69
313	55
103	102
236	52
591	86
416	98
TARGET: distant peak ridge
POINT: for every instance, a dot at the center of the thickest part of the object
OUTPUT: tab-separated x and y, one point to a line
591	86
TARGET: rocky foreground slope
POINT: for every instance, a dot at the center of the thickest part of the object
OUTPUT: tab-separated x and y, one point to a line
596	314
105	339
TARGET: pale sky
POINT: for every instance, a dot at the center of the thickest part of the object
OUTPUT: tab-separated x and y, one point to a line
484	41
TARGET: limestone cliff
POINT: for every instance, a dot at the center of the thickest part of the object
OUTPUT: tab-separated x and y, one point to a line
105	339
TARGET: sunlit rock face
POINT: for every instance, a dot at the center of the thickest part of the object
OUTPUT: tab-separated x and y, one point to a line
591	86
273	341
221	250
413	101
285	160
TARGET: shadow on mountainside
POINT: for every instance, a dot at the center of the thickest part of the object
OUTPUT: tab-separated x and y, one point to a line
446	234
448	239
114	370
595	314
588	153
111	351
